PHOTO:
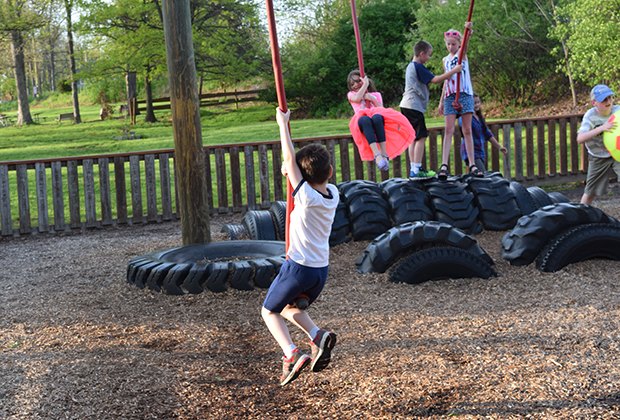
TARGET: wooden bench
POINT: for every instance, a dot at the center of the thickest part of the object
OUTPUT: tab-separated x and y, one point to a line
5	120
65	117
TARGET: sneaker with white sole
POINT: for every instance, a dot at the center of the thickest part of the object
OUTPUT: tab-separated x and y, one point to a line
292	367
322	346
422	174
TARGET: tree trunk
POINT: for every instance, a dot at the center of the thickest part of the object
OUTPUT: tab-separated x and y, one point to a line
52	66
23	107
569	74
150	113
131	86
189	154
74	85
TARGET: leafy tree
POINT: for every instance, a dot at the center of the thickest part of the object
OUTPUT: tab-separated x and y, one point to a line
230	43
130	37
590	30
228	40
17	17
509	52
322	52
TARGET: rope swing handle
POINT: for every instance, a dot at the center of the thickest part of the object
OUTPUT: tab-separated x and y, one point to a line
466	34
281	94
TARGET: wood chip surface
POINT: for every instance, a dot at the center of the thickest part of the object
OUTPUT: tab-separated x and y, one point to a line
78	342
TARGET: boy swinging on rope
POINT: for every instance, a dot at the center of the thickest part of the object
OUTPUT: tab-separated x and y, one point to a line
306	268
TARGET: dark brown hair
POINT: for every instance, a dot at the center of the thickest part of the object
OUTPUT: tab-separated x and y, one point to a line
356	72
420	47
314	163
479	114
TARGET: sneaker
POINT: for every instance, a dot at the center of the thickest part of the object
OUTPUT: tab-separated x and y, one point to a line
322	346
422	173
292	367
382	163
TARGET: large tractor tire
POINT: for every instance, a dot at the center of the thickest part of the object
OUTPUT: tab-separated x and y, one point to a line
523	243
441	263
454	204
408	201
369	211
580	243
235	231
259	225
496	202
278	216
524	199
407	238
341	226
540	196
215	266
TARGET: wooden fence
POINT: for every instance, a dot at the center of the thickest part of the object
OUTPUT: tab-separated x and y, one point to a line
207	99
64	194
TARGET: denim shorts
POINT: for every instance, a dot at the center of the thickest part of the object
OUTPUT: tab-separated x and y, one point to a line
466	100
292	280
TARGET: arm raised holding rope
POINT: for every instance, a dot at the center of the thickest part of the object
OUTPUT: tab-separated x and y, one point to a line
289	164
457	99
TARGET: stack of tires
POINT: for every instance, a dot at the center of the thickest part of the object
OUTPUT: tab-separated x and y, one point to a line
367	209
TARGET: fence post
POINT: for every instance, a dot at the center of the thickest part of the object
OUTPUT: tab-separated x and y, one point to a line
58	198
508	146
42	208
5	202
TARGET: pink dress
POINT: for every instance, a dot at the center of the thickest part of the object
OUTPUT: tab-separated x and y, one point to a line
399	133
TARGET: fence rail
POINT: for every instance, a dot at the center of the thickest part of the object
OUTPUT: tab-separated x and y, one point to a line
64	194
207	99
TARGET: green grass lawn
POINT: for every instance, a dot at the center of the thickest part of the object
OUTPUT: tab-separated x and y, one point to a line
221	125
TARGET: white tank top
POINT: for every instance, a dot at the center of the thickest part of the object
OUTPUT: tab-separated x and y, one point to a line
449	62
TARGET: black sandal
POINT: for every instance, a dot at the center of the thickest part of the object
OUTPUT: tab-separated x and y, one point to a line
475	171
444	172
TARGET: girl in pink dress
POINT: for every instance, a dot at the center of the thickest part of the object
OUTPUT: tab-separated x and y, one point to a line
380	133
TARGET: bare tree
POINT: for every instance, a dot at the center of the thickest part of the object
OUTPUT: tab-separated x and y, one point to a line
552	17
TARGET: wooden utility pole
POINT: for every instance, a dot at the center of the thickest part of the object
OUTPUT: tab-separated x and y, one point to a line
189	155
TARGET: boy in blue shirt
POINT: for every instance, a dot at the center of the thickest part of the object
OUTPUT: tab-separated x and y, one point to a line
415	100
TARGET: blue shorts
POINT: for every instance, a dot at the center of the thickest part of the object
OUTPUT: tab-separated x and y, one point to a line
466	100
292	280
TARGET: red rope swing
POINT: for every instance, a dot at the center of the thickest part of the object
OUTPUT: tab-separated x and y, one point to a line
277	73
358	40
466	34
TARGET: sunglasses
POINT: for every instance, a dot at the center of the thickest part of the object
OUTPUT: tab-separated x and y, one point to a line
451	33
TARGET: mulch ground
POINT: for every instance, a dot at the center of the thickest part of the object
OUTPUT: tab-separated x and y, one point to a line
78	342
